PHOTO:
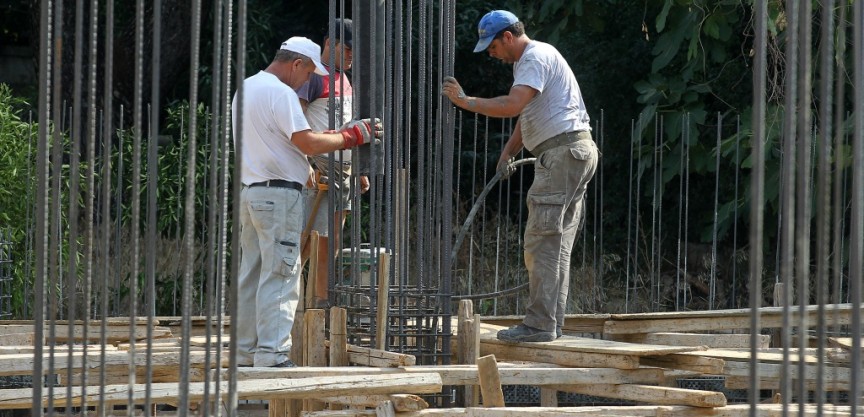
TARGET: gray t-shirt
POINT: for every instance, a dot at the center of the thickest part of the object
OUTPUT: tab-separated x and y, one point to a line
558	107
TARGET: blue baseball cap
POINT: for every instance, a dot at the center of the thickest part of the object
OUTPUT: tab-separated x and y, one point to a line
489	26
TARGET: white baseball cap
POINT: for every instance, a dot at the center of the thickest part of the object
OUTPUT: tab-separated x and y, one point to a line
305	46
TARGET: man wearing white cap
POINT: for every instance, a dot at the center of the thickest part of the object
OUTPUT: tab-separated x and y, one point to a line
275	139
554	126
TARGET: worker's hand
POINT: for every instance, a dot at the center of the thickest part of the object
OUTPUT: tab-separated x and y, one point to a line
451	88
506	167
364	184
359	132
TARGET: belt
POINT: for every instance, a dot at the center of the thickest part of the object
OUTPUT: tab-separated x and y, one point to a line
561	140
279	184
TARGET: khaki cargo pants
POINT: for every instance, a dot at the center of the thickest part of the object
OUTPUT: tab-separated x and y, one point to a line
556	205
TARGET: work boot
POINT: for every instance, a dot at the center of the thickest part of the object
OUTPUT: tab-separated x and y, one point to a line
523	333
286	364
558	332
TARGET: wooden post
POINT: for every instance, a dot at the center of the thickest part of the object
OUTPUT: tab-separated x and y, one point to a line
468	340
338	342
548	397
383	301
779	297
338	337
313	345
490	382
385	409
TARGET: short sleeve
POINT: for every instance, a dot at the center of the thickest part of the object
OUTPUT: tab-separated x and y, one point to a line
530	73
303	92
289	115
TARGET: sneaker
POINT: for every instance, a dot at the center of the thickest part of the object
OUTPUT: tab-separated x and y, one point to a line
286	364
523	333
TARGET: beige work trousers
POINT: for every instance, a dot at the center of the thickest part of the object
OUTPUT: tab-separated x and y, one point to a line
556	206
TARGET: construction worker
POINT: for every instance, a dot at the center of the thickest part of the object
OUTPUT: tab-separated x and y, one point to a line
315	97
554	126
275	142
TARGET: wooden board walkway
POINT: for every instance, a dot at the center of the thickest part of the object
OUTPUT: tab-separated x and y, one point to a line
161	393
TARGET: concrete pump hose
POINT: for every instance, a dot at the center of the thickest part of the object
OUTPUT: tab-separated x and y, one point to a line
477	204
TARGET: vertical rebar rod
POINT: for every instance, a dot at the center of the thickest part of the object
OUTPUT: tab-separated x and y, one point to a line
235	209
712	292
734	299
71	284
803	209
856	232
757	195
629	223
54	187
823	204
189	205
214	205
41	237
787	193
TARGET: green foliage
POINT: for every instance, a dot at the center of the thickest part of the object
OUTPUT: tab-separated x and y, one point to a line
17	151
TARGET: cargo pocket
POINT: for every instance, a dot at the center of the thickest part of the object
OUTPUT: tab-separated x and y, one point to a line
287	255
582	150
546	214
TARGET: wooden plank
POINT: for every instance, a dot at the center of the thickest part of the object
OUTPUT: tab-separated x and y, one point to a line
743	382
843	342
114	334
721	341
573	323
716	320
530	352
401	402
685	362
735	410
770	373
468	374
377	358
490	382
488	335
651	394
841	309
249	390
17	339
765	357
23	364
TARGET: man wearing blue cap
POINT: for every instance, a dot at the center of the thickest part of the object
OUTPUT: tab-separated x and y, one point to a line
275	138
554	126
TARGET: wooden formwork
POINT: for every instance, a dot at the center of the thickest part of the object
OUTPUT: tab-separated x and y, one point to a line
635	359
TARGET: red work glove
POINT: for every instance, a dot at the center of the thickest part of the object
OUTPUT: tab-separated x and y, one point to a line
359	132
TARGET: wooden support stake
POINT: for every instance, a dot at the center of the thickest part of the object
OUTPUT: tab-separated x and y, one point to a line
338	337
490	382
314	347
385	409
468	335
383	301
548	397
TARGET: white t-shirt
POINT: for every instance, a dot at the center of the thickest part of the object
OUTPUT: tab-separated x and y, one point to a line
558	106
271	114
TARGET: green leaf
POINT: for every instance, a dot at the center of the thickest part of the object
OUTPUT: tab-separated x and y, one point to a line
661	18
710	27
